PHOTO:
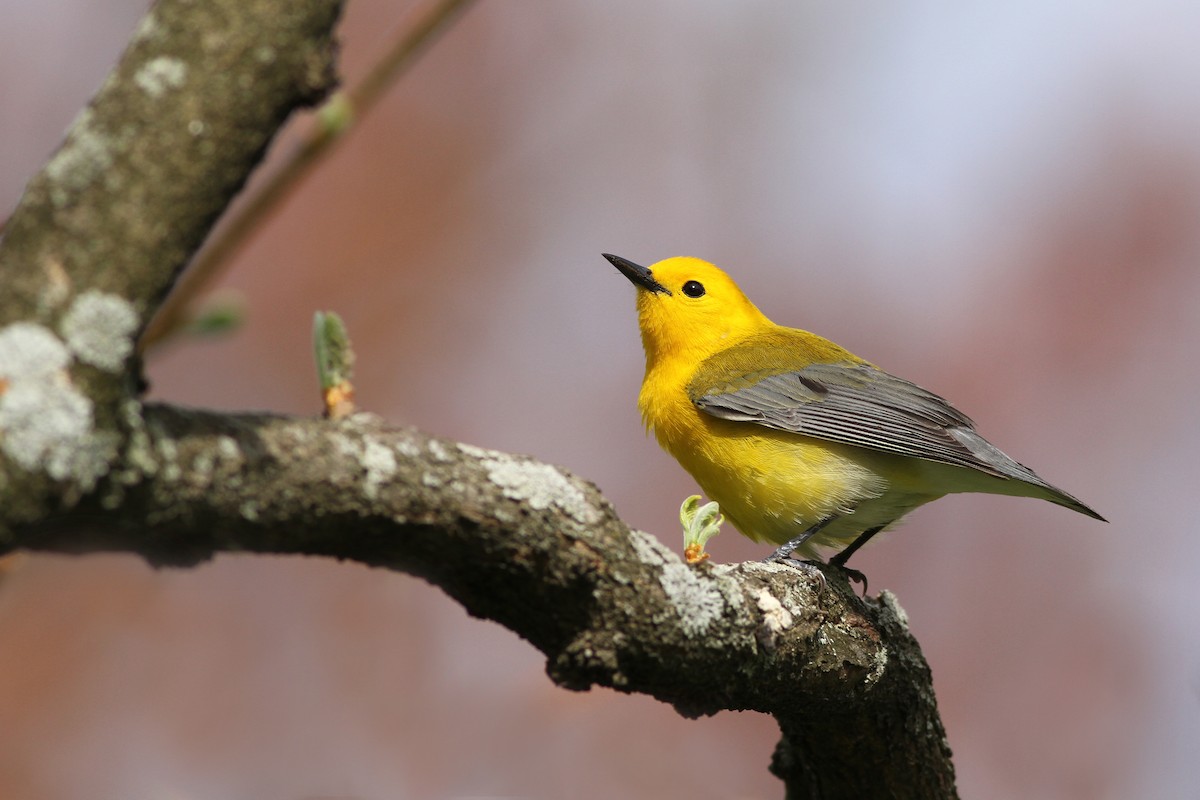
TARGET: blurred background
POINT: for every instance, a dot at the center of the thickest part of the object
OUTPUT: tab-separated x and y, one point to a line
1001	203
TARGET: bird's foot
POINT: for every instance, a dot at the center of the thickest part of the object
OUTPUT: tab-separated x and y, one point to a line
782	553
853	574
784	556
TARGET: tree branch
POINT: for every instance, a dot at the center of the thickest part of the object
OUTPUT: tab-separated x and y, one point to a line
543	553
89	253
102	231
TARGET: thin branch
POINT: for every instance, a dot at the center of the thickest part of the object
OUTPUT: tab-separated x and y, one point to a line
336	117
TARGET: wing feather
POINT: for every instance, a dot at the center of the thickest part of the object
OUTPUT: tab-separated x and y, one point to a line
858	404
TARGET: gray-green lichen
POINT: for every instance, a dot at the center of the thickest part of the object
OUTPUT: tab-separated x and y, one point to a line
170	470
698	600
649	549
140	457
99	329
249	510
539	486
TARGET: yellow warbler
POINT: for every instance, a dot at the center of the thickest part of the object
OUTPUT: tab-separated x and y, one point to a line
801	442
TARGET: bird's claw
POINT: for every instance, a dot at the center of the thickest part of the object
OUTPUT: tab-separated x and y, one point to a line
855	575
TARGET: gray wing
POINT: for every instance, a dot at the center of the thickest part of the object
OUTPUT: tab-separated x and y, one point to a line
860	405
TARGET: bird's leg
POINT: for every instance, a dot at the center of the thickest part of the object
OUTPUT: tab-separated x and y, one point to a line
841	558
784	553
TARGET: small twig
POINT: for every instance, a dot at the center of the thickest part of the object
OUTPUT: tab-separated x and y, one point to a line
335	364
335	117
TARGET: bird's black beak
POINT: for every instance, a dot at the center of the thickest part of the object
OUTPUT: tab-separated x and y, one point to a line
637	274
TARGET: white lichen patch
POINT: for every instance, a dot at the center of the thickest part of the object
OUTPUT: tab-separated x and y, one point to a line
45	422
893	604
47	425
407	448
380	462
878	666
228	450
169	469
201	471
86	153
479	452
347	447
148	28
158	75
540	486
36	416
649	549
99	329
30	351
776	618
140	459
438	451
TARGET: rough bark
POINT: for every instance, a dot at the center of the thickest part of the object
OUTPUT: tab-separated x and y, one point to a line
85	465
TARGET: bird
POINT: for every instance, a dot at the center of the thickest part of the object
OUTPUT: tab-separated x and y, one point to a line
801	443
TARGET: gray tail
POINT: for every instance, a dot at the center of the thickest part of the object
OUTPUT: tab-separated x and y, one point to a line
994	461
1056	495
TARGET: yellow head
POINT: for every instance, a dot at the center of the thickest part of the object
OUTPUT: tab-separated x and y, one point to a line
688	308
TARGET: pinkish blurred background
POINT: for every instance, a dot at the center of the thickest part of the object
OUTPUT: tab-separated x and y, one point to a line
1000	203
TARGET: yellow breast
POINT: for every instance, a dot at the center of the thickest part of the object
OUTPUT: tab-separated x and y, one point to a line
771	485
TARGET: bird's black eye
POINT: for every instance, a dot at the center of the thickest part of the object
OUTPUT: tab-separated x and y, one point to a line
693	289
